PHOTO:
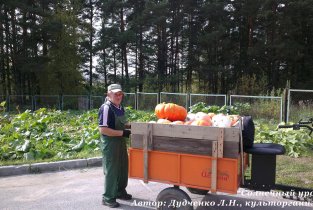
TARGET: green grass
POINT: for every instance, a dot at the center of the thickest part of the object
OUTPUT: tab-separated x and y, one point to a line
80	155
295	171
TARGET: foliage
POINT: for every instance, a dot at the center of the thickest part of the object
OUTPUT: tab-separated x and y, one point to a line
296	142
47	134
238	108
140	116
246	47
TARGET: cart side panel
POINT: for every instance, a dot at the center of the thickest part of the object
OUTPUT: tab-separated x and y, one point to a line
135	166
185	170
163	166
196	171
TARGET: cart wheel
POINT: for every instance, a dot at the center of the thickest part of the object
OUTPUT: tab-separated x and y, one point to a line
173	198
197	191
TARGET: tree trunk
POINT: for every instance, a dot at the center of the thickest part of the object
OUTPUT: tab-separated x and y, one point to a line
2	56
124	50
91	35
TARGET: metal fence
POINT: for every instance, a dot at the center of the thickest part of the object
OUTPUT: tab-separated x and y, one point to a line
46	101
96	101
300	104
129	100
208	99
146	101
19	103
177	98
262	107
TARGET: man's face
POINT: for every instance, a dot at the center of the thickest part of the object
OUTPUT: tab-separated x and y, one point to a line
117	97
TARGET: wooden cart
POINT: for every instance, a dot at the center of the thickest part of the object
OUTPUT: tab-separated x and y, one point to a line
200	158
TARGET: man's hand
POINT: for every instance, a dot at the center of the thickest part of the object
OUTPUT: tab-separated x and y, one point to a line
128	125
126	133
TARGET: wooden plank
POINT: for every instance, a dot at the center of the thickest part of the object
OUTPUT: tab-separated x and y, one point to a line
187	146
220	142
186	131
147	139
214	166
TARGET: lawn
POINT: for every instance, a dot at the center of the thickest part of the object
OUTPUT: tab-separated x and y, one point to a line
295	171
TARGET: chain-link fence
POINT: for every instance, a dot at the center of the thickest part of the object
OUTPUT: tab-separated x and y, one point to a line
177	98
2	98
19	103
208	99
75	102
147	101
260	107
300	105
2	107
96	101
47	101
129	100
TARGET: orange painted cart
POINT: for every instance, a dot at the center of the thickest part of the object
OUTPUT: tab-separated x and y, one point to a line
198	157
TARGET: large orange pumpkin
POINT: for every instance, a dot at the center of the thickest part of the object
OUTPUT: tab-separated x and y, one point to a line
159	110
170	111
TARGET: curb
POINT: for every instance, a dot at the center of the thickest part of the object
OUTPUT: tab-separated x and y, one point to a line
50	166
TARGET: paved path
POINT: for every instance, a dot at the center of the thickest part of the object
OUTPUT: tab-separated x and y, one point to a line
82	189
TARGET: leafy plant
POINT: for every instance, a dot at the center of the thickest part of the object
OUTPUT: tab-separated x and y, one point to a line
46	134
296	142
238	108
140	116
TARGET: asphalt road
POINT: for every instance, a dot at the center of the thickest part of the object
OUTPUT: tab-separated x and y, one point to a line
82	189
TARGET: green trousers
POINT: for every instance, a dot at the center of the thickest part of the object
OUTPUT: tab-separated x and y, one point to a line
115	167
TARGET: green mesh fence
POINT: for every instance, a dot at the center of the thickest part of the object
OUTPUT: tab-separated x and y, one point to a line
19	103
147	101
96	101
209	99
300	105
259	107
47	101
177	98
75	102
129	100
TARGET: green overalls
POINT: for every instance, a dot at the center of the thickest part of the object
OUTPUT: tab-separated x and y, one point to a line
115	162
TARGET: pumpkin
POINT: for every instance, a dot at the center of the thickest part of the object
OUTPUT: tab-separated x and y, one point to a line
170	111
211	114
191	116
202	116
159	111
178	122
188	122
221	120
201	123
234	119
163	121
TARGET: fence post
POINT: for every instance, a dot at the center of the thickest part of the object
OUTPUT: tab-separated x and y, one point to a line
89	101
9	108
7	105
286	102
61	102
33	103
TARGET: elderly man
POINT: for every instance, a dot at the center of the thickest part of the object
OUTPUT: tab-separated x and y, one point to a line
112	127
